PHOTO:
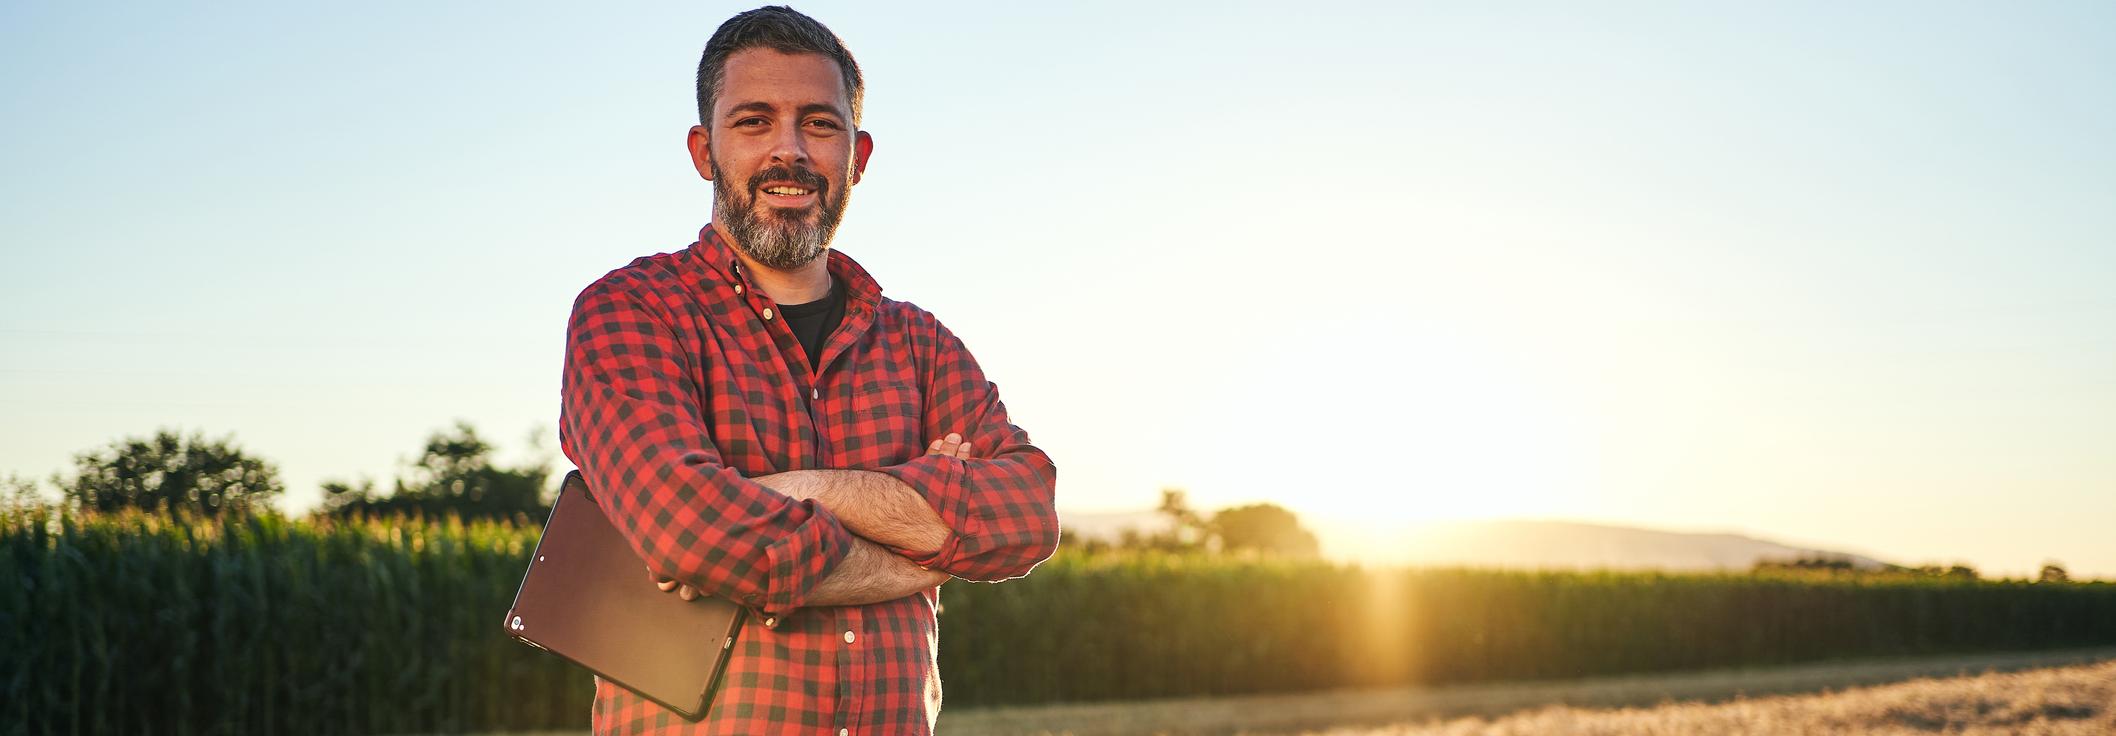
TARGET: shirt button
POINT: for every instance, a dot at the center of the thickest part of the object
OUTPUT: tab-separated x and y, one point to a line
848	637
815	393
767	313
771	622
738	288
844	732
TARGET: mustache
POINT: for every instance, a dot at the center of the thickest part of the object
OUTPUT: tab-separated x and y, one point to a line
802	175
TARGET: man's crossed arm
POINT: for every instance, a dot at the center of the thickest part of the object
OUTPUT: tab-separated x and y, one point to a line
879	510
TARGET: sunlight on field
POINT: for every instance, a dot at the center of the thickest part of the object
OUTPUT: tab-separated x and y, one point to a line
1387	653
2062	701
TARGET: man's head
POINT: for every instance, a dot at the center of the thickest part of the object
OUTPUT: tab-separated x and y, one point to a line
778	135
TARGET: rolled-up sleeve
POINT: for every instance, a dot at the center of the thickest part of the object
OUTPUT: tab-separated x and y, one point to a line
999	504
630	420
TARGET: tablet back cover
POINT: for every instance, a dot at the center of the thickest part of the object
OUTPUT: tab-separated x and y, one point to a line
588	597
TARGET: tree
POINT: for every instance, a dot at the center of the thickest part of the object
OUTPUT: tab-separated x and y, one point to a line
453	475
1809	563
21	494
2053	572
169	472
1187	530
1959	572
1185	522
1264	529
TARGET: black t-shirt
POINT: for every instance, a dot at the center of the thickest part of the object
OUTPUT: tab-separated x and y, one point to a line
813	322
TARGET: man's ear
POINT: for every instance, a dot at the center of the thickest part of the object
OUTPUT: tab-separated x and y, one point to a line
862	147
701	145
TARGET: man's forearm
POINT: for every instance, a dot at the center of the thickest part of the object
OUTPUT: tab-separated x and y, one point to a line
869	504
871	574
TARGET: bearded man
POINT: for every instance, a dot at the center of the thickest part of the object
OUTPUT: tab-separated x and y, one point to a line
764	426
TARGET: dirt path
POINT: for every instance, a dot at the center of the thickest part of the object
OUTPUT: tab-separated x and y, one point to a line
1335	709
2078	700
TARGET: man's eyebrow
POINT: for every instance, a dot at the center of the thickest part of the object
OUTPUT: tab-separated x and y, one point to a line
750	107
760	106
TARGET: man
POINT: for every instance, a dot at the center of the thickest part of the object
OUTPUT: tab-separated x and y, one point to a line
764	426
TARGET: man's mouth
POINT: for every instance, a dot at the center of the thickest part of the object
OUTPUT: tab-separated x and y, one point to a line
787	195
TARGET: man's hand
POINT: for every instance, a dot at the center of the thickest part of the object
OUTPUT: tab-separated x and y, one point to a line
953	444
801	484
683	590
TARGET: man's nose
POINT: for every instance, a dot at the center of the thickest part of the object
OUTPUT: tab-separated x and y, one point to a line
788	146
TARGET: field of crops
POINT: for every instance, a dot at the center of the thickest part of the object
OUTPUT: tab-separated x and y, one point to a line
1129	627
140	624
137	624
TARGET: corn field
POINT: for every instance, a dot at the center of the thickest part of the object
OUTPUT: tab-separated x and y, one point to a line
140	624
134	623
1133	626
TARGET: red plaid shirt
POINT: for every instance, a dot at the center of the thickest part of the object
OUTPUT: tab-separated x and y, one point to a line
682	382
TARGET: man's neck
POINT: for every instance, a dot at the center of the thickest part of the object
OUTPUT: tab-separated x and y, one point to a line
800	285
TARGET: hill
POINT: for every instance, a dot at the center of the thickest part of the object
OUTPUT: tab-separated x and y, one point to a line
1511	543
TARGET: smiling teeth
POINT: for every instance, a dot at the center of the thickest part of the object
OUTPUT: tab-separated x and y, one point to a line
790	191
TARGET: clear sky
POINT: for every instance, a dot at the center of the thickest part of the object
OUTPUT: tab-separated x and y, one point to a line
1826	274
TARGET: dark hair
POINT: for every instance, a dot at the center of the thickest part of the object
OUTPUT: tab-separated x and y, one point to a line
781	29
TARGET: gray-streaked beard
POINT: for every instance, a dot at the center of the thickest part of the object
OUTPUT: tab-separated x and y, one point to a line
776	241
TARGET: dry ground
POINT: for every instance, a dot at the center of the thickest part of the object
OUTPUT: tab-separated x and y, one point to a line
2073	699
2079	700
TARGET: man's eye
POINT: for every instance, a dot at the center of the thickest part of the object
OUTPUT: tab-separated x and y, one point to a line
749	122
825	124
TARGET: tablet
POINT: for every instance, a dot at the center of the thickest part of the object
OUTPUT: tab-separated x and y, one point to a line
588	597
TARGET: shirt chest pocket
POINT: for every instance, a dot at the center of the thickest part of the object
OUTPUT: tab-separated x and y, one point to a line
880	424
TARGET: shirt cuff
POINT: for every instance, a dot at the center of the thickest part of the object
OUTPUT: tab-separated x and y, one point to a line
939	480
936	558
801	559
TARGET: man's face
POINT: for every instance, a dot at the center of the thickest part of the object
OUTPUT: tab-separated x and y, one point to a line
782	154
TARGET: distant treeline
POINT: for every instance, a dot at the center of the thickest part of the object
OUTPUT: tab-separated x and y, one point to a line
2051	572
138	623
171	472
454	474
